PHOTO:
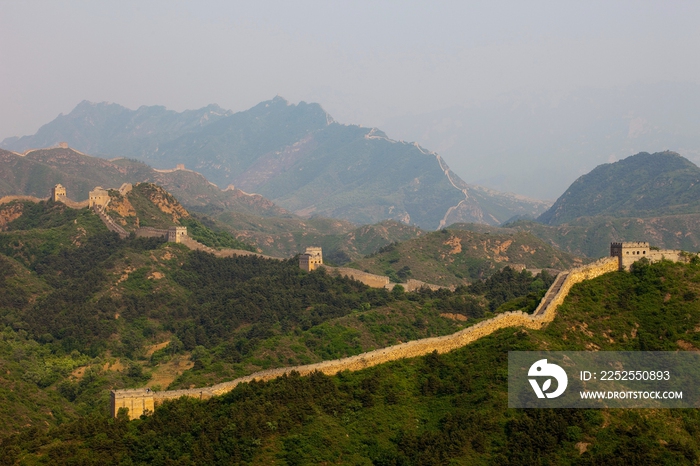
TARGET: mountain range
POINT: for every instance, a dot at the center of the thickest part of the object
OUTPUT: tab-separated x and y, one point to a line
644	197
295	155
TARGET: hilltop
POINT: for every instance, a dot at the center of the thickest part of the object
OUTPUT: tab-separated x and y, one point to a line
342	241
105	128
37	171
642	185
295	155
457	257
648	197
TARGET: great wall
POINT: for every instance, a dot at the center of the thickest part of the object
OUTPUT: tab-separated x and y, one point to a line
142	401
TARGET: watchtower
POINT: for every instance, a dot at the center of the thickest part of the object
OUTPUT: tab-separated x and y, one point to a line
629	252
175	234
58	193
138	401
98	197
311	259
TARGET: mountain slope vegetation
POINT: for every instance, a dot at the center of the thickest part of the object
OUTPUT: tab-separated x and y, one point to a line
436	409
458	257
642	185
83	311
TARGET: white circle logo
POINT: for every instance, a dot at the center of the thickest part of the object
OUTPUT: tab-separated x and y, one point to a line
543	369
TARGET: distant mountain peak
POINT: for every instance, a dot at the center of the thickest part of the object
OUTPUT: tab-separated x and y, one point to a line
293	154
641	185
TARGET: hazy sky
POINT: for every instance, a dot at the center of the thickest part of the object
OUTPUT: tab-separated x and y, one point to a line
364	62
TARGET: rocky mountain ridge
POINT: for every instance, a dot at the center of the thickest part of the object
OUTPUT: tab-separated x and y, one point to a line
295	155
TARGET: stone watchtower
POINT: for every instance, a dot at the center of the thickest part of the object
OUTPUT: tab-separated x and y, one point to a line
98	197
58	193
175	234
629	252
138	401
311	259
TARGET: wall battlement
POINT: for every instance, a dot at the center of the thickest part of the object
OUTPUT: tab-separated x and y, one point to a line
629	252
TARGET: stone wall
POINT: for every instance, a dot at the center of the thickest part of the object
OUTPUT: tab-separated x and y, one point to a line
369	279
414	285
125	188
150	232
76	205
577	275
197	246
405	350
109	223
138	401
353	363
8	199
674	255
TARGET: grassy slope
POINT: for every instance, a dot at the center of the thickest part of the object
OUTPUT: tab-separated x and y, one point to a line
454	257
341	241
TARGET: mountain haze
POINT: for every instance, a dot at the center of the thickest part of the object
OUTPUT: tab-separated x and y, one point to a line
518	140
295	155
37	171
105	128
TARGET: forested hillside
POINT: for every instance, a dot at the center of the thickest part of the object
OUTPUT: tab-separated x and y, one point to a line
437	409
642	185
82	312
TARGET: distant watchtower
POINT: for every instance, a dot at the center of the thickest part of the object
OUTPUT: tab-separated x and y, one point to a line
175	234
311	259
98	197
138	401
629	252
58	193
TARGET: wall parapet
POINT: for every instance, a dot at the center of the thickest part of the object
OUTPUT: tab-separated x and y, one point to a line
572	277
109	222
369	279
150	232
8	199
